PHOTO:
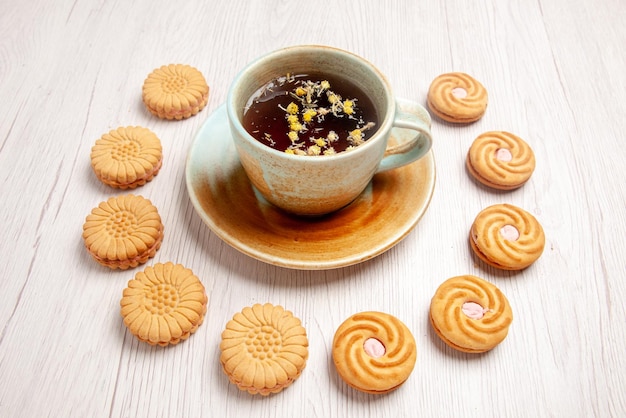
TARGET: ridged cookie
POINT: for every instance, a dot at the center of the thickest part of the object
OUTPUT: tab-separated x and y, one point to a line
457	98
500	160
264	348
374	352
123	232
127	157
163	304
507	237
175	91
470	314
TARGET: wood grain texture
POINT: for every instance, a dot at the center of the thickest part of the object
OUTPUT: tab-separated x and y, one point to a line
71	71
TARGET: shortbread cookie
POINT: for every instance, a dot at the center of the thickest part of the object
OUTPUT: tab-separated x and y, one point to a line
500	160
457	98
123	232
264	349
507	237
164	304
470	314
175	91
374	352
127	157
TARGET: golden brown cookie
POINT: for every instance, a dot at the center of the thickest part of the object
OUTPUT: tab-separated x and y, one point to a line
457	98
123	232
507	237
127	157
374	352
470	314
164	304
264	349
500	160
175	91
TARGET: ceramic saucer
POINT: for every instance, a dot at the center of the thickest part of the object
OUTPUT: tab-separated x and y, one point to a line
378	219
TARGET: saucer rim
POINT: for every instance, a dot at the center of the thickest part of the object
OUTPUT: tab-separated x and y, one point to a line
219	116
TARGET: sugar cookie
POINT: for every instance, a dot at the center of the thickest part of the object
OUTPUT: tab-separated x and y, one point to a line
374	352
500	160
507	237
175	91
457	98
264	348
163	304
470	314
123	232
127	157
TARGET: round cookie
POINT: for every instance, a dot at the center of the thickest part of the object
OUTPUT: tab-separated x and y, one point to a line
123	232
507	237
127	157
164	304
500	160
457	98
470	314
374	352
175	91
264	349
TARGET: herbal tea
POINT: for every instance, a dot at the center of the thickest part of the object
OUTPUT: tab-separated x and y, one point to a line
310	114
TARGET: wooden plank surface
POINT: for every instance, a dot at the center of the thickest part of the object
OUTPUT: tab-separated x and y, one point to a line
71	71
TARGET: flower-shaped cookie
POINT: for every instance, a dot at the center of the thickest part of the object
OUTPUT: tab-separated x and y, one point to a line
175	91
123	232
127	157
164	304
264	349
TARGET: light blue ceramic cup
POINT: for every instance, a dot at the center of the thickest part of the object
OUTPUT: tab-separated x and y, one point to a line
317	185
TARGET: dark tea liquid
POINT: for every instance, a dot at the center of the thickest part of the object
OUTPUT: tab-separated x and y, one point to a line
310	114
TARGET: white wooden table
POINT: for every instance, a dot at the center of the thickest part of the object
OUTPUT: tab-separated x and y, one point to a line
555	71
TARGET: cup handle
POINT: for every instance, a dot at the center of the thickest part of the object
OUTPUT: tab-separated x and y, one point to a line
410	117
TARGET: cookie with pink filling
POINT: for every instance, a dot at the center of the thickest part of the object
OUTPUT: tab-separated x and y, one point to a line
470	314
500	160
457	98
507	237
374	352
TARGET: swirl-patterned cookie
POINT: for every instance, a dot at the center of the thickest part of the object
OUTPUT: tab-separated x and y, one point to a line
374	352
264	348
123	232
163	304
500	160
470	314
507	237
175	91
457	98
127	157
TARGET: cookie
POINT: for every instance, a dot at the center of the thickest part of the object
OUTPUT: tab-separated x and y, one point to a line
163	304
500	160
457	98
175	91
470	314
123	232
507	237
264	349
127	157
374	352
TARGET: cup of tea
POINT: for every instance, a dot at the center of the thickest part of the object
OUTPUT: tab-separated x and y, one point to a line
311	125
